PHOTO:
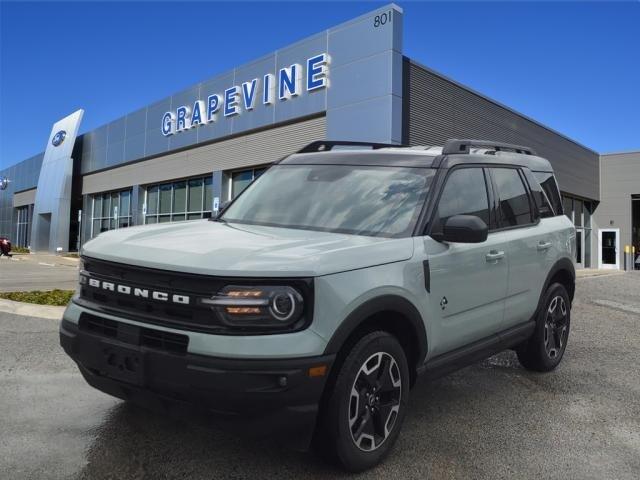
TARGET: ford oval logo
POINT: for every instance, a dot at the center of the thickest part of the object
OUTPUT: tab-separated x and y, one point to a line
4	183
58	138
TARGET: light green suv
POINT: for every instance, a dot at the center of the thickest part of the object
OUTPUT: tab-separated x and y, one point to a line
308	307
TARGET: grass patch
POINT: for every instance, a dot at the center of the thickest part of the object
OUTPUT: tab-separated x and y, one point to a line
19	250
58	298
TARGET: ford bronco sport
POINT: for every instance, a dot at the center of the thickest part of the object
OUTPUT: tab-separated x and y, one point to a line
314	300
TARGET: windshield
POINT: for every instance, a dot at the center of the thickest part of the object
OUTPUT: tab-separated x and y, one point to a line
361	200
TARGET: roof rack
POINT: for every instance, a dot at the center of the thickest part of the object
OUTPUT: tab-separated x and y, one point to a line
463	146
326	145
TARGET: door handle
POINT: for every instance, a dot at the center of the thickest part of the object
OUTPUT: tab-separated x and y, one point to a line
494	255
542	246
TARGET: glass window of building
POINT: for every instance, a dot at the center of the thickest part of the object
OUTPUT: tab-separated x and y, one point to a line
110	210
179	201
577	212
164	203
23	226
567	203
242	179
125	207
190	199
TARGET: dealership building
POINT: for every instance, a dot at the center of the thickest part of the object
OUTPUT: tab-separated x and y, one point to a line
179	158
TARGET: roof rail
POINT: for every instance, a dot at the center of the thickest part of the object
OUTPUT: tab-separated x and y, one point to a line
463	146
326	145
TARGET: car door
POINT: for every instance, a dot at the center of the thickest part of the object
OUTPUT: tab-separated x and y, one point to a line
529	244
468	282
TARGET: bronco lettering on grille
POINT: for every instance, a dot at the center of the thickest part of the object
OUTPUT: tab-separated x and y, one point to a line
123	289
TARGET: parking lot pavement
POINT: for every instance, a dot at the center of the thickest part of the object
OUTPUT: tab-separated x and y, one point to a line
492	420
38	272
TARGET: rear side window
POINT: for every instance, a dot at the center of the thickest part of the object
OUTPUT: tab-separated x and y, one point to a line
515	208
465	193
550	187
539	196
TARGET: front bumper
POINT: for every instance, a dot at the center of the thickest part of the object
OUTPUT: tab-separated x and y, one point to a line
258	397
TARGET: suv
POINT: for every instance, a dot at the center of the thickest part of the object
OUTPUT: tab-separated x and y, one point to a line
314	300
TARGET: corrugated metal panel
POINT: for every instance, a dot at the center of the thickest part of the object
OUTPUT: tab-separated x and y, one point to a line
257	148
439	109
27	197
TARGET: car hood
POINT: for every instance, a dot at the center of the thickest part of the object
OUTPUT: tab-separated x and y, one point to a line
215	248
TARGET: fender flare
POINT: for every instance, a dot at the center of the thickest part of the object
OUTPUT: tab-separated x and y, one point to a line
563	264
390	303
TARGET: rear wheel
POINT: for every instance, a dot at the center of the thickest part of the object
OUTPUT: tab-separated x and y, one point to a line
545	349
368	403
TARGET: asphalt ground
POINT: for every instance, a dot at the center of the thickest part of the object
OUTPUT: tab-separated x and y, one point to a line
38	272
491	420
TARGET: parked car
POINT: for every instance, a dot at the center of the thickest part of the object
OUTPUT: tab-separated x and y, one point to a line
310	306
5	246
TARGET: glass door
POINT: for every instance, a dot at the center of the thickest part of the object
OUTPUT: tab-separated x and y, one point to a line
580	248
608	248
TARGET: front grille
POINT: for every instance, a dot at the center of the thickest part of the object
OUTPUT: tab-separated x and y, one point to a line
192	317
134	335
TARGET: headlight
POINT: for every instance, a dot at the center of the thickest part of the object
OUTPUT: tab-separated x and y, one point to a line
257	306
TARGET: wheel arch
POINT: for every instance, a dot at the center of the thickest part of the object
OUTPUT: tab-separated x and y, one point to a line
391	313
563	272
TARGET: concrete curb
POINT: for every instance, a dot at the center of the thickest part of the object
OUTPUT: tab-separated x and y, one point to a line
580	274
31	310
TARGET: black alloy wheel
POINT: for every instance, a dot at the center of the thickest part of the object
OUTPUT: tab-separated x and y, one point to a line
375	401
546	347
556	327
366	405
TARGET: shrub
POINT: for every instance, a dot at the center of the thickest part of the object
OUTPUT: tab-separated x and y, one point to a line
58	298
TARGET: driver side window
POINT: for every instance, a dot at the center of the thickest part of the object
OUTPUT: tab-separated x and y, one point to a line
464	193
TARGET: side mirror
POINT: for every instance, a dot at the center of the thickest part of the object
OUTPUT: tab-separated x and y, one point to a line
463	229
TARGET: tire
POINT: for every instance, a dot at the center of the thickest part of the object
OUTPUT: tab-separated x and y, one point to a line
543	352
365	410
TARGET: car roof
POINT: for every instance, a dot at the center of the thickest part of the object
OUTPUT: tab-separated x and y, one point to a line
532	162
416	157
381	157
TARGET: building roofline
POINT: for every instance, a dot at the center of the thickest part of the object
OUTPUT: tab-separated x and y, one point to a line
495	102
623	152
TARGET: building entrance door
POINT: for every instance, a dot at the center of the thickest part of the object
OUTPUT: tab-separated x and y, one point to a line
608	248
579	248
635	230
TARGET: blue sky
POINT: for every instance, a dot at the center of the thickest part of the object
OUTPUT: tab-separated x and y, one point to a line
573	66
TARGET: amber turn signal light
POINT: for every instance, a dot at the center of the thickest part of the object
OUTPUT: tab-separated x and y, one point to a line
319	371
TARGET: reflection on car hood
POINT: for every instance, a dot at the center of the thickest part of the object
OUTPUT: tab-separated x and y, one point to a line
232	249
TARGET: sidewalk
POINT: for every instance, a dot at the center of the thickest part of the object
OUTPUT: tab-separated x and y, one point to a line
46	259
31	310
594	272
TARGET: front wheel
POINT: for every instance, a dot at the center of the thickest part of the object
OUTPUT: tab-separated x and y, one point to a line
368	403
545	349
